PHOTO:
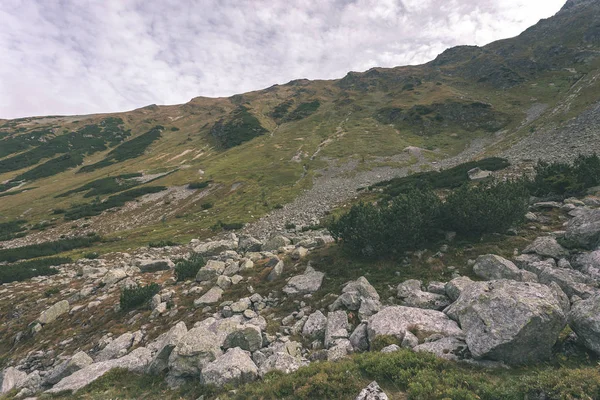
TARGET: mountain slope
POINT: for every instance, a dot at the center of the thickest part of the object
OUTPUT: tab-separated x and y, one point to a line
260	150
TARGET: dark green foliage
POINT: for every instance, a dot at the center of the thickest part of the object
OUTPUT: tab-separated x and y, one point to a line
128	150
199	185
52	167
187	269
290	225
162	243
241	127
303	111
91	256
12	229
473	211
138	297
408	222
445	179
28	269
174	129
52	291
108	185
96	207
562	179
206	206
46	249
281	110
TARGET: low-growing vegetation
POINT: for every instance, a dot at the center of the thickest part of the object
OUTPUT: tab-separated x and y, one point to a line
227	226
12	229
187	269
46	249
564	179
109	185
241	127
137	297
162	243
29	269
198	185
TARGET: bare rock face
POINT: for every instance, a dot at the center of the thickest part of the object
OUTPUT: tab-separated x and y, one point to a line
166	344
78	361
509	321
398	320
584	230
546	246
584	319
233	367
195	350
11	378
491	266
315	325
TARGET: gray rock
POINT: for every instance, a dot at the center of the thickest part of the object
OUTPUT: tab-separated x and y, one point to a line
505	320
450	348
11	378
113	276
391	348
367	308
248	337
436	287
491	266
233	367
275	243
53	312
354	294
584	230
546	246
456	286
412	296
315	325
136	361
584	319
224	282
340	349
410	341
117	348
249	243
336	328
241	305
478	174
211	270
216	247
572	282
231	268
276	271
79	361
156	265
588	263
195	350
372	392
299	252
280	361
166	344
309	282
359	339
210	297
408	287
397	320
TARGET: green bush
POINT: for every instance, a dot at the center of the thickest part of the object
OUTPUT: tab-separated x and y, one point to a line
198	185
91	256
474	210
187	269
12	229
562	179
138	297
28	269
46	249
162	243
240	127
290	225
407	222
206	206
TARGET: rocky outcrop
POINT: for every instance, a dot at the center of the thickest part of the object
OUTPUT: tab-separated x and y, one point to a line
11	378
164	347
195	350
412	296
513	322
584	230
233	367
584	319
78	361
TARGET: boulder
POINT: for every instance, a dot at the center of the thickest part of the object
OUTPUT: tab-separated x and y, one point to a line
277	269
584	319
117	348
478	174
136	361
336	328
309	282
275	243
340	349
412	296
11	378
195	350
456	286
248	337
572	282
546	246
249	243
397	320
113	276
390	349
156	265
450	348
211	270
509	321
584	230
354	294
53	312
372	392
166	344
280	361
315	325
78	361
359	338
491	266
233	367
212	296
588	263
216	247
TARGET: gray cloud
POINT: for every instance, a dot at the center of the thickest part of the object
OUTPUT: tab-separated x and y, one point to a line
78	57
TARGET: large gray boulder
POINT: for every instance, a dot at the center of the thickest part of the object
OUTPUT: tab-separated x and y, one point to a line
248	337
513	322
584	319
79	361
456	286
280	361
315	325
358	295
491	266
397	320
212	296
275	243
412	296
136	361
113	276
584	230
210	271
546	246
336	328
572	282
588	263
216	247
194	351
11	378
165	345
53	312
449	348
309	282
372	392
117	348
233	367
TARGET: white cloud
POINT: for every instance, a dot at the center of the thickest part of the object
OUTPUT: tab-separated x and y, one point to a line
77	57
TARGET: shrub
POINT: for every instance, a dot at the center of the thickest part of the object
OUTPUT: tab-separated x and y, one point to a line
28	269
12	229
162	243
474	210
198	185
562	179
206	206
290	225
46	249
91	256
138	296
227	226
187	269
240	127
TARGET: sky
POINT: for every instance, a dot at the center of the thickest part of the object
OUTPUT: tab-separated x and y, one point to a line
66	57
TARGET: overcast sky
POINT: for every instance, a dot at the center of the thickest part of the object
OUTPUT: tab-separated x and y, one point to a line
89	56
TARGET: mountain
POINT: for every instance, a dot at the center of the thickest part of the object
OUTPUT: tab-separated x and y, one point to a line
308	142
